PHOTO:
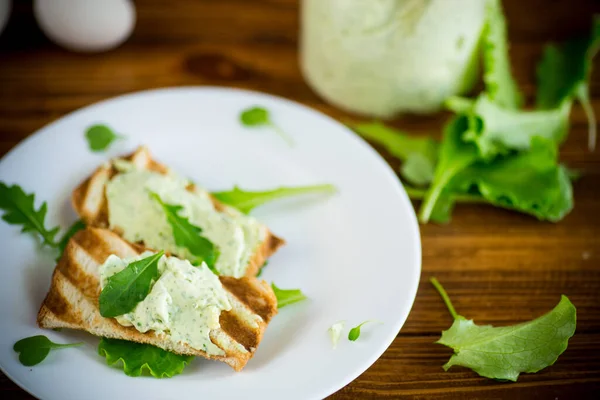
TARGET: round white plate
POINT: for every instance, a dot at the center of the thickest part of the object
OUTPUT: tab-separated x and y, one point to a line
356	254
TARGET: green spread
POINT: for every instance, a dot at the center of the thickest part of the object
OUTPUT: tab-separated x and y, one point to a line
184	303
140	218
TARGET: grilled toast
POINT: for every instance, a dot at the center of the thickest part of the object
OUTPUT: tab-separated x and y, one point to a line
89	201
72	302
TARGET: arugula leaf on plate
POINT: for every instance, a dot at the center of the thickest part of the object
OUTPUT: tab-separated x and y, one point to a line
246	201
259	116
137	358
100	137
19	209
497	75
76	227
531	181
418	153
564	73
354	333
455	155
287	296
497	130
125	289
33	350
188	236
505	352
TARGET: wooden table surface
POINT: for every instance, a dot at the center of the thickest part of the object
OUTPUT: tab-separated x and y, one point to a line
499	267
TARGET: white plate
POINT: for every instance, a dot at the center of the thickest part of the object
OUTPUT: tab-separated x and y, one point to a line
357	254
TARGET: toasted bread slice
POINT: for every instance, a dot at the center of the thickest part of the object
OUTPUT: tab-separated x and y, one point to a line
89	201
72	302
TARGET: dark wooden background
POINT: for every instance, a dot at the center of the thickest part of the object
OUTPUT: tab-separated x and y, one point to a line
499	267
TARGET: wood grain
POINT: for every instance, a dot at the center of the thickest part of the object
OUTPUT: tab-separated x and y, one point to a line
499	267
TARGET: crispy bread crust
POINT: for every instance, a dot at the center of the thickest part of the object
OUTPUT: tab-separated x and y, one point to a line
72	302
89	201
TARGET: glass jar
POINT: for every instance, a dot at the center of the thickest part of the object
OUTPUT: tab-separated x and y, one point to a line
383	57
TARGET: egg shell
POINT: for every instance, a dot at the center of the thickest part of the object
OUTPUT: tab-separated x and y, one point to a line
86	25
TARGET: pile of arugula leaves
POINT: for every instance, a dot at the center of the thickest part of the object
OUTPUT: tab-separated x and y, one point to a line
493	150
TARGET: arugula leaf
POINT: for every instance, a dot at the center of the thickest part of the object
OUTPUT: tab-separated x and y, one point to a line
355	332
125	289
497	75
246	201
287	296
33	350
137	358
495	129
335	331
531	182
19	209
419	154
455	155
77	226
100	137
564	73
259	116
505	352
188	236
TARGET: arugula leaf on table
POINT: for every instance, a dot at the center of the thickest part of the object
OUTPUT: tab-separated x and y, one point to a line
137	358
19	209
125	289
287	296
76	227
455	155
497	75
246	201
505	352
418	154
100	137
259	116
531	182
33	350
188	236
497	130
564	73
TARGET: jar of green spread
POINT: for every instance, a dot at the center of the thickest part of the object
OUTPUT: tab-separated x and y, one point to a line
383	57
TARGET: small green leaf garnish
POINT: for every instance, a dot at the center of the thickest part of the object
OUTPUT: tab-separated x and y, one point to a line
33	350
287	296
505	352
259	116
261	269
137	358
188	236
19	209
355	332
246	201
76	227
100	137
125	289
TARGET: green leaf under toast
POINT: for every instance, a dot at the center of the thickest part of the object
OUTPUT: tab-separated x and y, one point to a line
564	73
33	350
287	296
418	153
189	236
76	227
138	358
497	75
497	130
530	181
100	137
455	155
246	201
505	352
125	289
19	209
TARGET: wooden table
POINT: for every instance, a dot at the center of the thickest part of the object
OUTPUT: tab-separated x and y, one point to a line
499	267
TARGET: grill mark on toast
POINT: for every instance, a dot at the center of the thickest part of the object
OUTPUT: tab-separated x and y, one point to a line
257	300
234	327
69	267
59	305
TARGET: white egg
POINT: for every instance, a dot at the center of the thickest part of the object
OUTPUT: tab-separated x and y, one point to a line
85	25
4	13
